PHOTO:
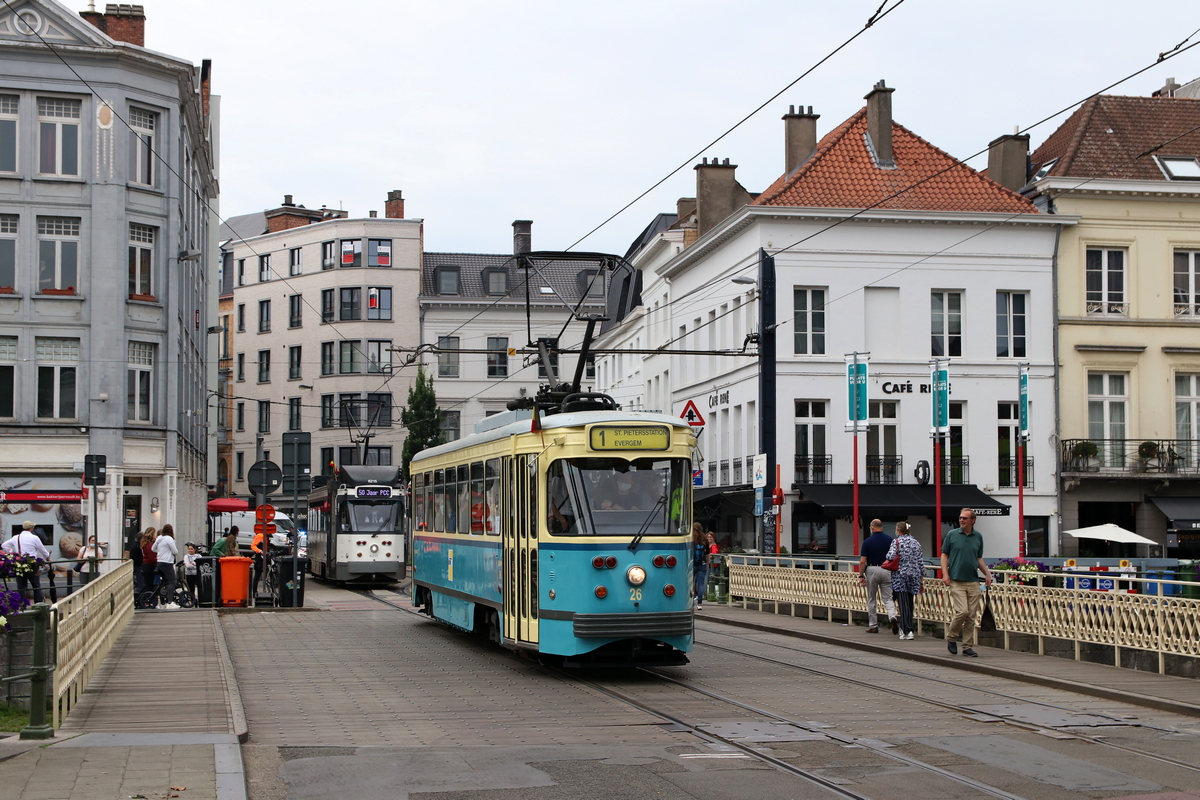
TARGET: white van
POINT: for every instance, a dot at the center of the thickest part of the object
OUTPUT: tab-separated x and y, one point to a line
245	524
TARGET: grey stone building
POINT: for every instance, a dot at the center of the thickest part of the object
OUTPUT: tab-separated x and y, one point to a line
108	187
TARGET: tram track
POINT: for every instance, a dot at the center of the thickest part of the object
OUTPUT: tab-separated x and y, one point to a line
754	752
957	708
744	748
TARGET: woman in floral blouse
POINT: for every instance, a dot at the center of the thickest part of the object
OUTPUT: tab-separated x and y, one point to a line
906	581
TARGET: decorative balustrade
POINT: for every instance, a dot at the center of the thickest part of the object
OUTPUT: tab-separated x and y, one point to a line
885	469
813	469
88	622
956	469
1155	617
1008	473
1131	456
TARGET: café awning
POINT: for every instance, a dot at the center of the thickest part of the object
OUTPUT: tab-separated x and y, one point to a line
1183	512
1110	533
900	499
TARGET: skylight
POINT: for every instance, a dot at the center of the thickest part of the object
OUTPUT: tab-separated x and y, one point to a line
1180	168
1044	170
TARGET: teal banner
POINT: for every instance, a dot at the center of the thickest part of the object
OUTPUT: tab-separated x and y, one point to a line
940	378
1024	404
856	384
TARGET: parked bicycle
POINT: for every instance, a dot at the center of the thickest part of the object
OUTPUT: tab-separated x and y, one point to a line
152	597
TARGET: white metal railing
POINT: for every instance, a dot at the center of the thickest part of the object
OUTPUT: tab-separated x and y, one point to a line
1154	616
87	624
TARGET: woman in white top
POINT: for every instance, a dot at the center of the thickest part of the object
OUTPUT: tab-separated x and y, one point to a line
167	552
84	567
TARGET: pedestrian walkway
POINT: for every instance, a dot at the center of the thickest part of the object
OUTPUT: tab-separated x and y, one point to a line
1148	689
160	719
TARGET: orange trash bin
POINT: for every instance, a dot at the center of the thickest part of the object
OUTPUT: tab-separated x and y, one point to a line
235	580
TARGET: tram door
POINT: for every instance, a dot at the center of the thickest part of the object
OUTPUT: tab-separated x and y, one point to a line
520	551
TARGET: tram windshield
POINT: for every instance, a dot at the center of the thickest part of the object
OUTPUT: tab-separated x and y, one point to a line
363	517
616	497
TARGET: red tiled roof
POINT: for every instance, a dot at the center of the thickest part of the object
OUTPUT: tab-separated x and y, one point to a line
1108	135
842	174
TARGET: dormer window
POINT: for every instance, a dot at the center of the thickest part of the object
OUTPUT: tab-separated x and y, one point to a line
1044	170
1180	168
446	280
591	283
545	290
495	281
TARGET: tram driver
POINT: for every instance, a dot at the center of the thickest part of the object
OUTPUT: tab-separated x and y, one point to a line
562	508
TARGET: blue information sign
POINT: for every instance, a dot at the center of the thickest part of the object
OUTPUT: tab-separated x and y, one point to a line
856	386
758	502
940	378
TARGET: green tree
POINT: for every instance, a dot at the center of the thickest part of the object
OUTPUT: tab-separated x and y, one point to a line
421	417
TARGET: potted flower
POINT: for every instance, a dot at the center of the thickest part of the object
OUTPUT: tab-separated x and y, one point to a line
1085	453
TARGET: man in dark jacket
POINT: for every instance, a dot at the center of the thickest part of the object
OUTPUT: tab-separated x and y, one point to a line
877	579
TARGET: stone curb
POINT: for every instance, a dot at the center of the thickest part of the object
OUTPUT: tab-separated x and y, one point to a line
237	711
983	668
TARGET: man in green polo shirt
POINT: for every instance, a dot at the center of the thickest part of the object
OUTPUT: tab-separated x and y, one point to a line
962	555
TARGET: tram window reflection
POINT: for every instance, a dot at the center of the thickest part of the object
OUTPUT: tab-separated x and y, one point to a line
615	497
464	499
439	502
492	507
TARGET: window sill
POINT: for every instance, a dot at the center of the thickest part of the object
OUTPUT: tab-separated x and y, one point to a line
294	327
59	178
142	187
260	330
143	299
65	293
297	378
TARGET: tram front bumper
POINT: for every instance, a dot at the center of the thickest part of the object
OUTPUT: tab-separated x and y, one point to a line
620	626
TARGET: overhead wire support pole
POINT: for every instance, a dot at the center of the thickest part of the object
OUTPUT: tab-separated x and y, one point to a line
940	418
1022	437
856	411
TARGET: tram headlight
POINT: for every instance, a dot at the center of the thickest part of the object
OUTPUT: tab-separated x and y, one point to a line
374	548
636	575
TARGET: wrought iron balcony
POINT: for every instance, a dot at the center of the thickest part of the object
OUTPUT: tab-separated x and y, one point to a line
885	469
1133	457
1008	473
956	469
812	469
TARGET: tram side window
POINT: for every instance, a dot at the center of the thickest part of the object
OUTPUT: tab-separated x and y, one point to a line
451	500
439	502
418	495
519	492
492	503
478	511
427	519
464	499
533	494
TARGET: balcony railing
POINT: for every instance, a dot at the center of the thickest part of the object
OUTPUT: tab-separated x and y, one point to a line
1131	456
884	469
812	469
1097	308
1008	473
956	469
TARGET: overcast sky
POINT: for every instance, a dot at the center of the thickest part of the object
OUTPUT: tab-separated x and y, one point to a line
562	112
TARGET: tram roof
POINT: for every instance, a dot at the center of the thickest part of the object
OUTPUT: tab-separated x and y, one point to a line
569	420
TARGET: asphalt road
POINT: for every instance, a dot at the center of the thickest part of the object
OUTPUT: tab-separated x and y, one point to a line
367	701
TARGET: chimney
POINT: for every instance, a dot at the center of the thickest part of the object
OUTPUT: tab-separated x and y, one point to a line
121	21
372	214
205	84
1008	161
522	236
879	124
718	194
289	215
799	137
393	208
1168	89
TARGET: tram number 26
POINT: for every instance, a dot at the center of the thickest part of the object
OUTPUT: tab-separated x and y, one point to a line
635	595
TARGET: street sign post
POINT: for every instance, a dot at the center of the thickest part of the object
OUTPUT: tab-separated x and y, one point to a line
691	415
939	381
264	477
856	416
1022	438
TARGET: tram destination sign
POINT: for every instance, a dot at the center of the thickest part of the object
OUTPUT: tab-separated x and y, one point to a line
629	437
372	492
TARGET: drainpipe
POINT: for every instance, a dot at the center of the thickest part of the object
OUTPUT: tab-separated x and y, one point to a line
1057	401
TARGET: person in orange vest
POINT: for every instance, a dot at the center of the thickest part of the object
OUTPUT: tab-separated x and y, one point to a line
256	544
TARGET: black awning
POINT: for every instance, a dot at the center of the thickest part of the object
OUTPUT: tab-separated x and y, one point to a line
837	499
704	493
1183	512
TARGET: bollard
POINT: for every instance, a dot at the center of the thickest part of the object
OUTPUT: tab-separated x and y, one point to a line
39	677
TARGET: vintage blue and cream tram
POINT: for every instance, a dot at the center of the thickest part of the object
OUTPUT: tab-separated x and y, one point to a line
568	535
354	526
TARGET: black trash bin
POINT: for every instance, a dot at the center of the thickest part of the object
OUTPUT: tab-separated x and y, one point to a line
208	572
291	570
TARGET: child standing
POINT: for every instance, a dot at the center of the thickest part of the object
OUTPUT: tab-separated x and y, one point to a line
189	571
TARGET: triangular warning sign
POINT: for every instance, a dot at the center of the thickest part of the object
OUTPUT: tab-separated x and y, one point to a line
691	415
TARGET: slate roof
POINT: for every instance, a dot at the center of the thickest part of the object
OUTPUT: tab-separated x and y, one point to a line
243	226
841	173
561	275
1107	134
